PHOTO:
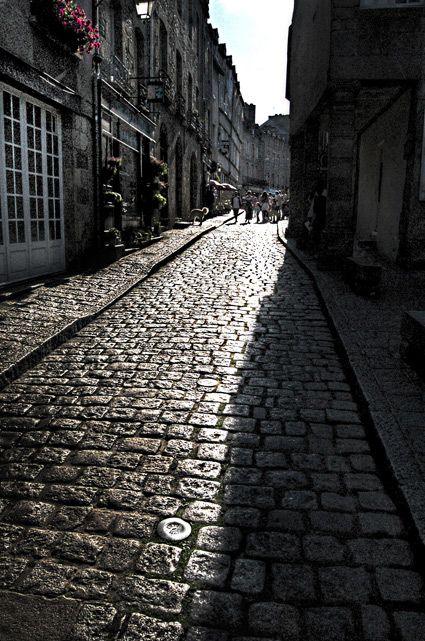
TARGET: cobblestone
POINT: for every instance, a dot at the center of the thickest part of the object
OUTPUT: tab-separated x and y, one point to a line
153	410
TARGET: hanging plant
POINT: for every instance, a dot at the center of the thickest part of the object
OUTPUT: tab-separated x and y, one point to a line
158	167
69	23
159	200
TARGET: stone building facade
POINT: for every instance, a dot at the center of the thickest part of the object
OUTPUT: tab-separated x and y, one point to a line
164	87
227	114
275	137
63	113
357	124
46	137
252	162
177	36
265	161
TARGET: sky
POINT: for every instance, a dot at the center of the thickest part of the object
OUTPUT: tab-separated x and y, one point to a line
255	33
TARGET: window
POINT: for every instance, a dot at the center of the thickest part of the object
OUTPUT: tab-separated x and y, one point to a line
388	4
31	207
189	93
179	72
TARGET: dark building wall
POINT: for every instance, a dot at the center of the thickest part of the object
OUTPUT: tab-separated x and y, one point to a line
375	44
375	55
309	52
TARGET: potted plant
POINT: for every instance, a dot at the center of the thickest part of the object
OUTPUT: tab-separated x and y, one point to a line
156	200
111	201
113	244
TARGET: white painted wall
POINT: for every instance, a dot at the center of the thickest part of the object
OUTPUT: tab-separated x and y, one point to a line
383	140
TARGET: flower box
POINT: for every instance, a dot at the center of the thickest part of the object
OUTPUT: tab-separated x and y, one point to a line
67	23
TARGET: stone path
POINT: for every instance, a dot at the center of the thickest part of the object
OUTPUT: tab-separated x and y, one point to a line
391	391
44	316
213	391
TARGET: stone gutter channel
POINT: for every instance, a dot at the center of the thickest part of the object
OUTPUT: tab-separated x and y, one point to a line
41	318
397	435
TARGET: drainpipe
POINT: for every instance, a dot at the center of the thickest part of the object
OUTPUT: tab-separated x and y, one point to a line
97	133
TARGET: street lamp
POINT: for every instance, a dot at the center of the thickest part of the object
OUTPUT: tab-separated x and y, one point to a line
144	9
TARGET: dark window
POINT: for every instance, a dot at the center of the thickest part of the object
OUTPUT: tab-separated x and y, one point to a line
163	47
179	72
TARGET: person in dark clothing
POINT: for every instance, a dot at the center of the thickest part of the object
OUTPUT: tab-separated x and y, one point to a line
319	216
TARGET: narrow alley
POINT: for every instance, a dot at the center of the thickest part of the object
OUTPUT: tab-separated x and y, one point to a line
213	392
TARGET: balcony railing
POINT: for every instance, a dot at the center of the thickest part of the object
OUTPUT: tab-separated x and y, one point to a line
120	75
194	123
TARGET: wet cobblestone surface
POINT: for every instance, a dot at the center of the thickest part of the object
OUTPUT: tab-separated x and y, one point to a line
214	392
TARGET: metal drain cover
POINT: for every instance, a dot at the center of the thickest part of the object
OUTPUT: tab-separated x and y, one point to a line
174	529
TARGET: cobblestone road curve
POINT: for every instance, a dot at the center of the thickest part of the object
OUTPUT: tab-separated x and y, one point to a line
213	392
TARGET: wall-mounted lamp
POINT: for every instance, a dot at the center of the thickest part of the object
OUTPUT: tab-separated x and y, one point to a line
144	9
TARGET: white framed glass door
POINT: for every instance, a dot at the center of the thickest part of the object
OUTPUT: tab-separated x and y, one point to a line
31	203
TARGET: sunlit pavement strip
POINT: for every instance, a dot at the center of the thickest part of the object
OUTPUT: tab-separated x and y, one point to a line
212	392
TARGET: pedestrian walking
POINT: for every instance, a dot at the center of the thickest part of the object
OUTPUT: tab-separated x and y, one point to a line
274	210
236	205
257	208
279	200
265	207
248	204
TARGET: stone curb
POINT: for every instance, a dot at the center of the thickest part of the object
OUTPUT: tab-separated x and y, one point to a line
31	358
387	434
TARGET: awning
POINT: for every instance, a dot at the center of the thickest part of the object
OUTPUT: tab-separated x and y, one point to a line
222	186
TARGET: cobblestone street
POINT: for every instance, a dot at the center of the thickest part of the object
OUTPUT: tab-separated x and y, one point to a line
213	391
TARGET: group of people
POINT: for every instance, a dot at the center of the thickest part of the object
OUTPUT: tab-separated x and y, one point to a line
267	207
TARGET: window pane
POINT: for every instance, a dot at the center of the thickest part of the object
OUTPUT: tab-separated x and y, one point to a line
33	207
7	130
21	232
30	114
9	155
37	116
6	103
16	113
19	207
18	182
18	158
12	232
17	134
10	182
